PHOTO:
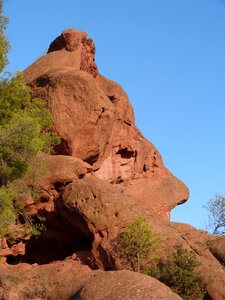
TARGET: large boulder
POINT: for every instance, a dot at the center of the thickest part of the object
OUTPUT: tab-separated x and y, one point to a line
72	280
123	285
95	121
217	247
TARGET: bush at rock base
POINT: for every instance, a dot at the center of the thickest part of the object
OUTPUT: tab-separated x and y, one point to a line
178	272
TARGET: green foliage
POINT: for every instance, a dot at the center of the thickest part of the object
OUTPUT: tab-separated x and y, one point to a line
178	272
25	130
32	227
216	214
24	134
136	244
10	210
4	44
14	96
8	214
29	185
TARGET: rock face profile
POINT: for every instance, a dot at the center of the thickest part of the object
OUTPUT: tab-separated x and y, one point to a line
103	175
95	121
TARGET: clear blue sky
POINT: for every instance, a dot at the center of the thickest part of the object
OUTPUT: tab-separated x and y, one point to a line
169	56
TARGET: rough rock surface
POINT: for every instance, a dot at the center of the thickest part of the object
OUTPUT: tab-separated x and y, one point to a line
55	281
217	247
123	285
210	252
84	215
105	175
72	280
95	120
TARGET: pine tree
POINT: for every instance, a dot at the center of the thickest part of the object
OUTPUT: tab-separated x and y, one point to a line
136	244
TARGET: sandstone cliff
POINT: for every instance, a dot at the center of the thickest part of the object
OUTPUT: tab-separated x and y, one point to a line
104	175
95	120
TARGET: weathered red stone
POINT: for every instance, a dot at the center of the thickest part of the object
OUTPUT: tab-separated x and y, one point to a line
105	175
95	120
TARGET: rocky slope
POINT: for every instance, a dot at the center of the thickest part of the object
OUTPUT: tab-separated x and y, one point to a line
105	175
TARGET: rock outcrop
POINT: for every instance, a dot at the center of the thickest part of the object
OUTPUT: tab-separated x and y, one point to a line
104	174
84	216
95	121
72	280
124	285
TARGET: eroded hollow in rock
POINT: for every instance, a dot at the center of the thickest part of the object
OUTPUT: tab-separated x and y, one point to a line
63	148
112	98
42	81
92	159
126	153
60	240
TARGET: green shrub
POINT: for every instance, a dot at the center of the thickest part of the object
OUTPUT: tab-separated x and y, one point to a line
8	213
178	272
25	125
25	130
136	245
4	44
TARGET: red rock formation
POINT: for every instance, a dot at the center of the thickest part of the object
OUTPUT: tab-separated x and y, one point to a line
95	120
124	285
72	280
84	215
105	175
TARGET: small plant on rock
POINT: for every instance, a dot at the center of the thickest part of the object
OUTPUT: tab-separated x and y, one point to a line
136	245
